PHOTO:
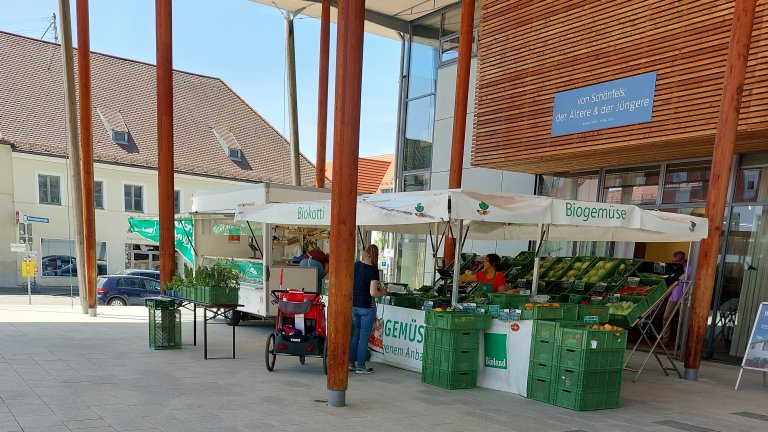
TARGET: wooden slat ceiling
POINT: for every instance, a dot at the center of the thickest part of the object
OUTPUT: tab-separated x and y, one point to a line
528	51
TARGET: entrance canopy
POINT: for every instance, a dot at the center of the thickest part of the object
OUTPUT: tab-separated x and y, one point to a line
492	216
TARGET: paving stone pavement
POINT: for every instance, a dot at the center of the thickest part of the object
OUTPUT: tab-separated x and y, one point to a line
61	370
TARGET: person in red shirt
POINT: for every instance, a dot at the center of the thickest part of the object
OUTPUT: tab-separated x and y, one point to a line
489	279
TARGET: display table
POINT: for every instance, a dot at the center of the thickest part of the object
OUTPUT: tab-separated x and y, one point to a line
398	337
216	310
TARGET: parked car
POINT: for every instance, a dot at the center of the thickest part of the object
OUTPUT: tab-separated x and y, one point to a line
154	274
124	290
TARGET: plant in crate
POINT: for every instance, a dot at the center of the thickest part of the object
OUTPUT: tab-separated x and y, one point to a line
218	283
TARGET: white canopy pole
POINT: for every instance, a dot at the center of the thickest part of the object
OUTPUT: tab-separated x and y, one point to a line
535	287
457	265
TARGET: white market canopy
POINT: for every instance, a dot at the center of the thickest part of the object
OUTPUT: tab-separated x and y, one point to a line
492	216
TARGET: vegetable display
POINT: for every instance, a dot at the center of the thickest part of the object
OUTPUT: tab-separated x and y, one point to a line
620	308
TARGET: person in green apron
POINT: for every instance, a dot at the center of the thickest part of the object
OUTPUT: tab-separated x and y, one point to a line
489	280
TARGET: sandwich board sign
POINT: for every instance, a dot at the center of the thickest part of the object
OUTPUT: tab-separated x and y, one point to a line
756	355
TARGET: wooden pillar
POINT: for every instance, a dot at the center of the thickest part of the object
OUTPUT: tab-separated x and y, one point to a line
322	92
722	157
164	46
73	145
293	107
346	135
460	104
86	153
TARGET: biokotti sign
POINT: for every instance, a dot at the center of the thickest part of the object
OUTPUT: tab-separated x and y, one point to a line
614	103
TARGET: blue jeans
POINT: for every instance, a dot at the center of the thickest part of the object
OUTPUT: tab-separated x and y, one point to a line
363	324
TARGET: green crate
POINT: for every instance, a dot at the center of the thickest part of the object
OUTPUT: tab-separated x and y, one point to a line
600	311
452	339
541	369
586	400
450	359
586	338
217	296
543	350
577	379
556	269
609	268
590	359
540	389
456	320
448	379
660	287
407	302
159	303
543	329
628	320
164	328
567	312
508	301
620	275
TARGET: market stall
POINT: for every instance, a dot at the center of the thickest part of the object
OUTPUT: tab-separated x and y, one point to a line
505	346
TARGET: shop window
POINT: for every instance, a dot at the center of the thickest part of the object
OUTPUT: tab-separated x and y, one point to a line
49	189
422	72
686	182
637	186
415	182
58	258
751	185
142	257
582	186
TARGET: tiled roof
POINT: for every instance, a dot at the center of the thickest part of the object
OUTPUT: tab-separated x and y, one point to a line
32	115
373	173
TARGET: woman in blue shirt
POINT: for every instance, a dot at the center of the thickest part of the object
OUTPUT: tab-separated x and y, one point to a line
366	287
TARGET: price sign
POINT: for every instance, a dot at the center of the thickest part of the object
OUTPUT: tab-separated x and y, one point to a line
600	287
614	298
633	281
567	285
659	267
590	319
525	292
578	285
596	300
574	298
520	283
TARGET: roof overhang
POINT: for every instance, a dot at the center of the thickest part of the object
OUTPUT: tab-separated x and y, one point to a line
382	17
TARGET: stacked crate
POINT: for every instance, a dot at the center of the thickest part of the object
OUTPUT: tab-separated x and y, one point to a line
576	367
451	343
590	363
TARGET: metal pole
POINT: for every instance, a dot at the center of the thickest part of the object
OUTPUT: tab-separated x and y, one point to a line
164	70
460	103
70	108
29	280
293	115
322	92
535	286
722	156
457	265
90	268
346	146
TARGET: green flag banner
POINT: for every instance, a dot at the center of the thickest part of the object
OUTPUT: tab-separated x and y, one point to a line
221	228
251	271
150	230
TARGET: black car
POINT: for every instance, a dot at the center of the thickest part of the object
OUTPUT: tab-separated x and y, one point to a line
153	274
123	290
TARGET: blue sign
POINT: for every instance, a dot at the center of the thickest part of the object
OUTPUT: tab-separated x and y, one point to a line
756	355
614	103
36	219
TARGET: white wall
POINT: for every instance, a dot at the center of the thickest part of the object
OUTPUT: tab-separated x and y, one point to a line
111	222
488	180
9	272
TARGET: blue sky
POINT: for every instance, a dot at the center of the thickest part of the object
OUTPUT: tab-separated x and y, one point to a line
241	42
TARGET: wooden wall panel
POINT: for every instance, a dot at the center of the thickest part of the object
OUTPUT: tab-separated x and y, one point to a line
528	51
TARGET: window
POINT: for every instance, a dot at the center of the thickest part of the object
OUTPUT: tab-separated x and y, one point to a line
235	154
151	285
120	137
686	182
632	186
129	283
415	182
134	198
419	124
176	202
49	189
58	257
98	194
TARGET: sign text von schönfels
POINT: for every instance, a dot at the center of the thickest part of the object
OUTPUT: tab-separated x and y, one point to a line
310	213
585	213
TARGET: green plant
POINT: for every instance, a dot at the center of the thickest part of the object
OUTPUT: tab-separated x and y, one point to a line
221	275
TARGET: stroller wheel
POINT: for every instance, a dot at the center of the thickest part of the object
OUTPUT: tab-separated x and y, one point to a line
302	359
325	357
269	353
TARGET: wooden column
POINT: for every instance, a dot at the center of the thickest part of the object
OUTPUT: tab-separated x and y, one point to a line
164	48
460	106
293	107
346	135
322	92
722	157
86	152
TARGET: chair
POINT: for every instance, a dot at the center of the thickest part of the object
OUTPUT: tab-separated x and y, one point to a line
726	320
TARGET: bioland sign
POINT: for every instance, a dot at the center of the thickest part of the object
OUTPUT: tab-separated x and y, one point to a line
614	103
